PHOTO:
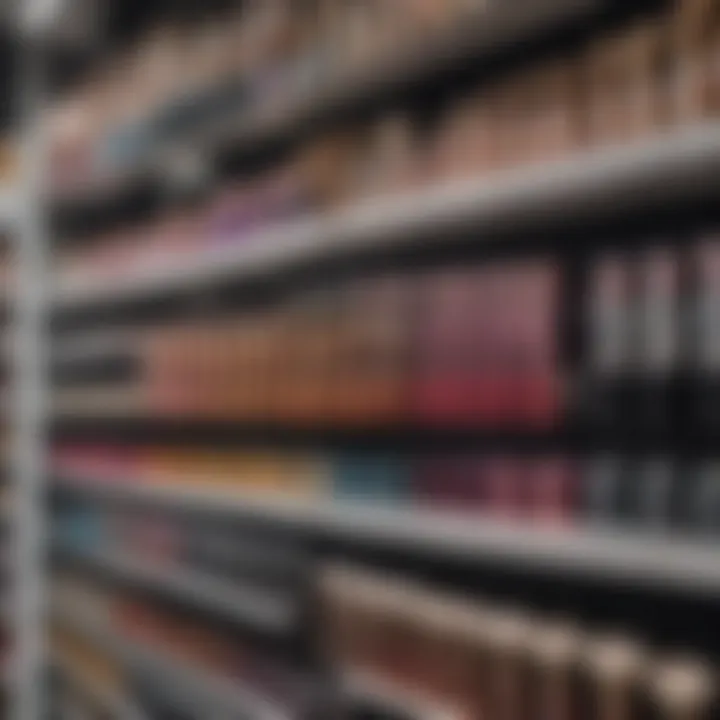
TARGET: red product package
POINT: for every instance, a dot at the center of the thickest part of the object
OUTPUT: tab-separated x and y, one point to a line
451	381
524	380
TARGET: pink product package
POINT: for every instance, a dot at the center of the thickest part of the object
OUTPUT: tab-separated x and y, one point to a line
453	317
532	299
527	353
240	211
455	482
487	349
229	215
101	463
552	484
504	483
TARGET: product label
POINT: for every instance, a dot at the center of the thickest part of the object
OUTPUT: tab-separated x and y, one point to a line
708	324
659	311
706	503
602	486
609	315
655	481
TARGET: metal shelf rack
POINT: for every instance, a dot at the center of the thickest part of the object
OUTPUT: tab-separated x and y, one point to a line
677	167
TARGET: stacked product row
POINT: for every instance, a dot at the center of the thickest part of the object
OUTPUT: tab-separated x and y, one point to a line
90	667
180	639
651	76
476	347
479	346
217	549
655	493
388	637
477	659
242	62
654	315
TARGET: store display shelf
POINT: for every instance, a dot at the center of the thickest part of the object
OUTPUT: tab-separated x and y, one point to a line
263	609
369	689
496	27
106	701
653	560
189	687
595	185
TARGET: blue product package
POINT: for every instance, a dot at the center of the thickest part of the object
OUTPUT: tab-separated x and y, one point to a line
81	528
371	477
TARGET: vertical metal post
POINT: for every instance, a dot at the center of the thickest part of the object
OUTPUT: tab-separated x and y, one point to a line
30	407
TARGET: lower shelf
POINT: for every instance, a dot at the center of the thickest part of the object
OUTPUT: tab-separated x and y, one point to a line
272	612
189	687
105	701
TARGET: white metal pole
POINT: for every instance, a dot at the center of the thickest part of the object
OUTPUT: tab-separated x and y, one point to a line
29	408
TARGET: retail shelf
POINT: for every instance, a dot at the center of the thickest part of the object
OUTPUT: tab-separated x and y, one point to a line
489	32
669	563
208	694
261	608
596	184
493	29
106	701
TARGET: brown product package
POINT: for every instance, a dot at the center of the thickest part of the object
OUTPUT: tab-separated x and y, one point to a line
696	51
611	671
555	652
621	85
550	113
510	636
448	629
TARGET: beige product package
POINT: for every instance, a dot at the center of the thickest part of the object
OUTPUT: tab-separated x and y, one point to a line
621	74
696	60
555	652
683	689
612	670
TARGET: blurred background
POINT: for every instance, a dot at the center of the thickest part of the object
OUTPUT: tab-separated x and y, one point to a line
360	360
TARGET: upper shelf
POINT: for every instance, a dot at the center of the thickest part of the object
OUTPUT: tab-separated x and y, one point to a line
501	26
595	185
187	686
